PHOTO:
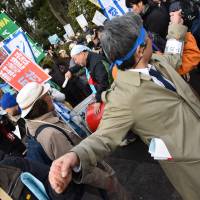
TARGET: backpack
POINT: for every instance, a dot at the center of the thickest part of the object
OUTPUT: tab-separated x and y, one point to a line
11	184
35	150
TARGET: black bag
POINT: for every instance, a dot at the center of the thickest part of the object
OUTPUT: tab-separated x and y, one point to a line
35	150
11	183
10	143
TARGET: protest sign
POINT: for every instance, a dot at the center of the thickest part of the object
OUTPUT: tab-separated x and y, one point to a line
69	30
82	21
66	37
113	8
18	40
98	18
9	27
54	39
17	70
122	5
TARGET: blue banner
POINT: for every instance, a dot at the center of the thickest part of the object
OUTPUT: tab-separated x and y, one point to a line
20	41
113	8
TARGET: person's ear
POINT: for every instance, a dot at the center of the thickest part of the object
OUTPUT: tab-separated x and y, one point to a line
139	51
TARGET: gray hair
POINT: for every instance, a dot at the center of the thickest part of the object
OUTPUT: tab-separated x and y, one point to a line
119	35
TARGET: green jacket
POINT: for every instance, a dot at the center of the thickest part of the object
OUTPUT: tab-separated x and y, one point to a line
151	111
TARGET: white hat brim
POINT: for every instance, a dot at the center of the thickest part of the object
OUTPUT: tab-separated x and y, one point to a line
26	111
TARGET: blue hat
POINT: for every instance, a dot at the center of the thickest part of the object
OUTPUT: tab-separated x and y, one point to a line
8	101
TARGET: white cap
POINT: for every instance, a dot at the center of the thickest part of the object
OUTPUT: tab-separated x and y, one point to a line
78	49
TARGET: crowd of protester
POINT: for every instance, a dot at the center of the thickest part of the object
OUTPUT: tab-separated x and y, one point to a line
145	67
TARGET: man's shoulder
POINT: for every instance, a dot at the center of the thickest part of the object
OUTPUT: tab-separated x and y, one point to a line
96	58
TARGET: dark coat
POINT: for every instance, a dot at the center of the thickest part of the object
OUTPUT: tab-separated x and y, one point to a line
97	71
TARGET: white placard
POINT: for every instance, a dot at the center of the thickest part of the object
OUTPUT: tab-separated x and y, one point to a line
99	18
69	30
82	21
174	46
66	36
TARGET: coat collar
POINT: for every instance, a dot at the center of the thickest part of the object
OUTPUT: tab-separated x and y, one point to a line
131	78
49	117
88	59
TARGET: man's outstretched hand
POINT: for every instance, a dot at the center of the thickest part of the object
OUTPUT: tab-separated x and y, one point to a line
60	174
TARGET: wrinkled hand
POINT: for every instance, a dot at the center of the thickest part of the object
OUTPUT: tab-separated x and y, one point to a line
60	174
176	18
68	75
97	108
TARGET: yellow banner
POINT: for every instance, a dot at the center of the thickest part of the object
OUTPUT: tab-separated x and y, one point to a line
95	2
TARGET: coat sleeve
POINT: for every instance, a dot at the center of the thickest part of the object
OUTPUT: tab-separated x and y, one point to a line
75	69
101	77
113	128
178	32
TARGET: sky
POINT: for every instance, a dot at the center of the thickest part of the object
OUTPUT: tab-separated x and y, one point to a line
28	3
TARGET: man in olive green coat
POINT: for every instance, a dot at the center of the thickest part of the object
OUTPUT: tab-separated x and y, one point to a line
139	101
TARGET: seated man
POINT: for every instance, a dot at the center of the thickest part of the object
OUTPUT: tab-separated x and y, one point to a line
95	69
150	98
37	109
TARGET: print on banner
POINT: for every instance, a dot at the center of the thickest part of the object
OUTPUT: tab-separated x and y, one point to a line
113	8
18	40
9	27
121	4
18	70
109	8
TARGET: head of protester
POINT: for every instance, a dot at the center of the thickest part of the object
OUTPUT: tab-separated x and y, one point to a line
34	100
133	50
9	104
138	6
63	54
79	54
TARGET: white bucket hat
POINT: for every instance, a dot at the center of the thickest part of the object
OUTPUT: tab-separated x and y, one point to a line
78	49
29	94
